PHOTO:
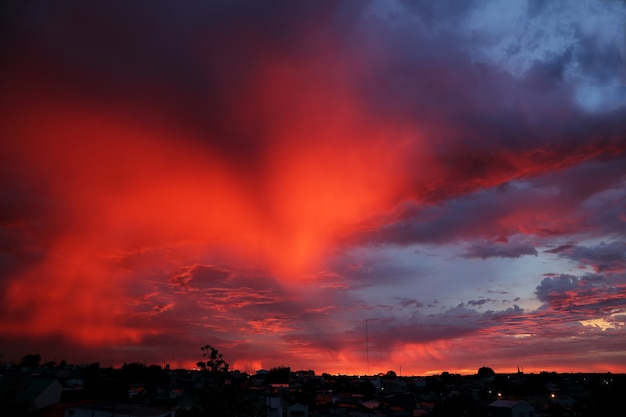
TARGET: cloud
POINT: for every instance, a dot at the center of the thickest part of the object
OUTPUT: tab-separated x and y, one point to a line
479	303
560	249
488	249
587	296
583	46
197	276
604	257
585	198
508	210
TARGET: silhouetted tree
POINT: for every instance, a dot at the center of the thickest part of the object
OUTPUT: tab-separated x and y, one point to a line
104	383
92	370
367	389
31	360
218	396
485	372
213	363
50	364
151	376
133	373
156	376
279	375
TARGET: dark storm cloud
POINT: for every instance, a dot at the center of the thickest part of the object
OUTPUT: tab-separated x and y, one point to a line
200	276
22	225
582	181
556	287
607	210
224	298
193	62
452	40
459	321
197	66
28	223
560	249
409	302
479	303
604	257
587	296
587	197
223	289
542	324
487	249
360	271
485	213
122	41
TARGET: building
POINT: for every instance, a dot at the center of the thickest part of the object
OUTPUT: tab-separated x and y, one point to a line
40	393
298	410
511	408
117	410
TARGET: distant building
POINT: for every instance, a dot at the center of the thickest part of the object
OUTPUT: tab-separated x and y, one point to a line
275	399
511	408
117	410
298	410
274	406
40	393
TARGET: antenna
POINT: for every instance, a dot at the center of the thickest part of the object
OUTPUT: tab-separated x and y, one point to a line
367	347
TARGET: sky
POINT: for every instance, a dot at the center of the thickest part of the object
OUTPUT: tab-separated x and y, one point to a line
348	186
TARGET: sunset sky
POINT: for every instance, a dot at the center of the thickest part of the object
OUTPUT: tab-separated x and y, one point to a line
344	186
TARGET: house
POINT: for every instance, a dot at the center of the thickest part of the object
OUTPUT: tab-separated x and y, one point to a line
275	399
135	391
399	411
298	410
511	408
274	406
39	393
117	410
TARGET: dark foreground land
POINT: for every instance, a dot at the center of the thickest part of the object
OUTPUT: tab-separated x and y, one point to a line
53	390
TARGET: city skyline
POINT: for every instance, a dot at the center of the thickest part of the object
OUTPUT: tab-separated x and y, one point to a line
350	187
